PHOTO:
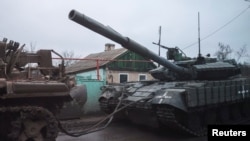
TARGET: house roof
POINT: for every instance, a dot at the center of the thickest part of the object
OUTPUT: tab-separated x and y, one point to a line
89	62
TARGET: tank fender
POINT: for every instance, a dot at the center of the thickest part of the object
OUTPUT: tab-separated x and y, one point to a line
171	97
79	94
109	92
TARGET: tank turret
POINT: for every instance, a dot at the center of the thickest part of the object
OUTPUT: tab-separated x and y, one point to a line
195	69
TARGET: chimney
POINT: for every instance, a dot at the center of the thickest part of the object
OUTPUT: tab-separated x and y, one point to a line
109	46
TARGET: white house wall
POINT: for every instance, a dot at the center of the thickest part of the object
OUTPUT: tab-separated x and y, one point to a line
92	75
114	76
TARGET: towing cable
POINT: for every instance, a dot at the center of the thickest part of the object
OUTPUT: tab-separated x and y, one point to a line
94	127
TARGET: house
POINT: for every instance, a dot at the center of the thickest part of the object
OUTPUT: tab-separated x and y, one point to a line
112	66
108	67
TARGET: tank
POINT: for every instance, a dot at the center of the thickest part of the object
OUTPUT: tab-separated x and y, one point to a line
187	95
32	93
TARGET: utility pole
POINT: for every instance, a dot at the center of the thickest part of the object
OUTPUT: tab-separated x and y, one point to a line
159	42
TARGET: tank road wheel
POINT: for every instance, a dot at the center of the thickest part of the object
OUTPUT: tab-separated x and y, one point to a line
195	123
224	114
34	124
104	105
210	117
245	109
235	112
32	130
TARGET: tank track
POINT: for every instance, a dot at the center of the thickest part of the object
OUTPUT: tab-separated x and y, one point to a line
30	112
172	119
104	106
195	121
108	105
167	117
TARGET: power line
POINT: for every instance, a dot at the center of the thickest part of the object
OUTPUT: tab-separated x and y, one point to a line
220	28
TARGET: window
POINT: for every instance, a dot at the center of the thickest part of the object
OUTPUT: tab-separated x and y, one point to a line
142	77
123	77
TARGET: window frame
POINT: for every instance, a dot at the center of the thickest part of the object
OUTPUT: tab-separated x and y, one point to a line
123	74
142	75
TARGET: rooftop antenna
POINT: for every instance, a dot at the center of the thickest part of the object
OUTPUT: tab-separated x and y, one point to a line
200	59
199	40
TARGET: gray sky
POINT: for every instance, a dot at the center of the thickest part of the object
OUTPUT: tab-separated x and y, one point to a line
45	23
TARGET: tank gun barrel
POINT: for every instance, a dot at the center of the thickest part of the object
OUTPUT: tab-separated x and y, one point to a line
124	41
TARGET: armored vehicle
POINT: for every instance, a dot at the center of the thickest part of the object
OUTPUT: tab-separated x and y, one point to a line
32	92
188	94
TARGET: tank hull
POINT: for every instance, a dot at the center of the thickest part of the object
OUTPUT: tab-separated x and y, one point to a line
186	106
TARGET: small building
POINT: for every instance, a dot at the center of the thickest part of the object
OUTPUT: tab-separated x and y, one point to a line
111	66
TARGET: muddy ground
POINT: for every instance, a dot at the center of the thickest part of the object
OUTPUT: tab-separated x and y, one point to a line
126	131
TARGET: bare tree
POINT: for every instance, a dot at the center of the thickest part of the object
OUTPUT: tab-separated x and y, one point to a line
69	55
223	52
32	47
242	52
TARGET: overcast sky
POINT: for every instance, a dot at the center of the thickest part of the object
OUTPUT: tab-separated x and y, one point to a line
45	23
